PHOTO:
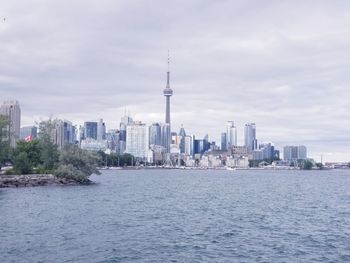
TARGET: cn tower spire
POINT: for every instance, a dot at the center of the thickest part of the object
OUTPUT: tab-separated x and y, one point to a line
168	72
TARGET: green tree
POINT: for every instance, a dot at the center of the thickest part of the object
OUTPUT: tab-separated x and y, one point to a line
77	164
32	149
48	150
306	165
22	164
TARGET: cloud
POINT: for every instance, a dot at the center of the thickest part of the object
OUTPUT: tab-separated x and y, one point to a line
280	64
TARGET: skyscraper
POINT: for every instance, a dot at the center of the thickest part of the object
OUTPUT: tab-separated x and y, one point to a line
182	135
125	121
12	110
223	141
90	130
137	140
155	134
294	152
231	135
250	136
101	130
168	92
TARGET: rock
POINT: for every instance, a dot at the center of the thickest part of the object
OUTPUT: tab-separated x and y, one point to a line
33	180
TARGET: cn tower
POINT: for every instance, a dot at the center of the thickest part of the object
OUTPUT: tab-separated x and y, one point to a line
168	92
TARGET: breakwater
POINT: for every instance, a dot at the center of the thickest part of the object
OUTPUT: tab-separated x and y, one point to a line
33	180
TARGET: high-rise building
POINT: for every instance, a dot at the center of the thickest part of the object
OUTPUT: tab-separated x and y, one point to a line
223	141
250	140
101	130
231	135
112	137
137	140
167	92
294	152
12	110
166	137
182	137
125	121
27	131
155	134
90	130
63	133
188	145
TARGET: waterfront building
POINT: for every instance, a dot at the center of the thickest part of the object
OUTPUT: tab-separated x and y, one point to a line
112	138
125	121
166	138
28	132
174	139
188	145
12	110
167	92
137	140
81	133
155	134
250	140
223	141
90	130
63	133
292	153
231	135
182	139
101	130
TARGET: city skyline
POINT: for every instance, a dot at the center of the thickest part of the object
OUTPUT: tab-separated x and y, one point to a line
288	78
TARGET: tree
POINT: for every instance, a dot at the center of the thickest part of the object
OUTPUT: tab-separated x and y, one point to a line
76	164
307	165
22	164
48	150
32	149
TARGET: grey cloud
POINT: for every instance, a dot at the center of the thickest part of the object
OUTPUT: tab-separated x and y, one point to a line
281	64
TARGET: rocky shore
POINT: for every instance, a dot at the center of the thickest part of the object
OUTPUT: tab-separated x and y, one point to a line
33	180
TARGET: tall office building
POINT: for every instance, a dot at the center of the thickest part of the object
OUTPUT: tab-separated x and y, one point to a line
101	130
182	137
125	121
250	140
231	135
12	110
166	137
112	138
63	133
137	140
90	130
223	141
294	152
189	144
168	92
155	134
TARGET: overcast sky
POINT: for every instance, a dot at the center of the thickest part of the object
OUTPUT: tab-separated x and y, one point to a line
281	64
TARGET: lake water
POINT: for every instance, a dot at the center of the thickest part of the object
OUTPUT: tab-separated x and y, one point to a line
181	216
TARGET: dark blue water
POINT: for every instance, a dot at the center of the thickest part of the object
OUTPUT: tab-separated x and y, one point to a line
181	216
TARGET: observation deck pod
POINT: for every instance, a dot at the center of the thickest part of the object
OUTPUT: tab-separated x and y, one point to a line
168	92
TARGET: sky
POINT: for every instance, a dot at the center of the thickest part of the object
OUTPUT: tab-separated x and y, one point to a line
283	65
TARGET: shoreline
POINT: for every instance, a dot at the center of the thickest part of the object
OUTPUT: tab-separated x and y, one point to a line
33	180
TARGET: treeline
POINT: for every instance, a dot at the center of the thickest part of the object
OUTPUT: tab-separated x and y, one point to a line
41	156
117	160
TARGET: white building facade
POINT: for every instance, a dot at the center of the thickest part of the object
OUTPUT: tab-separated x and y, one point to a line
137	140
